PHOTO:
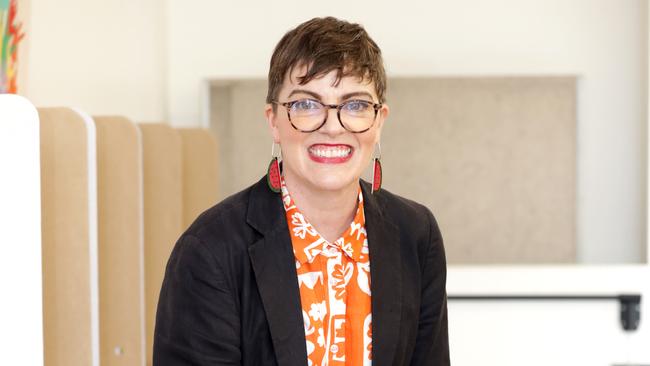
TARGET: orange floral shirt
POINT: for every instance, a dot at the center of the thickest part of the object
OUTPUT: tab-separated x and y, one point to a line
334	281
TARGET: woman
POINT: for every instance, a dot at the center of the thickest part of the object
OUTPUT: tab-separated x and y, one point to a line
311	265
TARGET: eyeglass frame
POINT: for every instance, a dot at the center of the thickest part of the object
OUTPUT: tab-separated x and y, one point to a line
338	107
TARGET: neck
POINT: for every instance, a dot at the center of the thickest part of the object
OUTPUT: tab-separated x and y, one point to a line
329	212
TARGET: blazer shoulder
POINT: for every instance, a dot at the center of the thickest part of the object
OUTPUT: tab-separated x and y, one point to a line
400	209
414	219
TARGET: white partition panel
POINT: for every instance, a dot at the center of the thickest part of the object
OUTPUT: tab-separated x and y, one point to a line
21	312
547	332
92	233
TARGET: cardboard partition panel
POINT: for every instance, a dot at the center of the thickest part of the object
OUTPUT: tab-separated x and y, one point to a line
199	172
121	246
69	238
21	311
163	211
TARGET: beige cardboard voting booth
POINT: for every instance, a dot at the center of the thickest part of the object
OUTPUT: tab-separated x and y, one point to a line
163	211
69	238
121	247
199	172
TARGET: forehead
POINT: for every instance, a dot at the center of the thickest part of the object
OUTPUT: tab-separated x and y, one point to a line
326	85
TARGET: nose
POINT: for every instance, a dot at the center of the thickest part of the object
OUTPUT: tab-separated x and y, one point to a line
332	124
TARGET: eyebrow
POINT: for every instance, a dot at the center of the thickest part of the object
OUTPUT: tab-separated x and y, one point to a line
319	97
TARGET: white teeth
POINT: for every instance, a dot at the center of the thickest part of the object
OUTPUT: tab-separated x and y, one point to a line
335	152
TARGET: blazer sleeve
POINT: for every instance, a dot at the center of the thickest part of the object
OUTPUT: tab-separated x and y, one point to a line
432	343
197	321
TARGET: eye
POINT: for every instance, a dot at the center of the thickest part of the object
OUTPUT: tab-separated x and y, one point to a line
356	106
305	105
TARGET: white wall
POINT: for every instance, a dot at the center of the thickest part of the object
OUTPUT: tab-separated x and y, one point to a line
104	57
601	41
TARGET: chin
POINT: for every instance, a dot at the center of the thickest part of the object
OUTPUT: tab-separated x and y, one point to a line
333	182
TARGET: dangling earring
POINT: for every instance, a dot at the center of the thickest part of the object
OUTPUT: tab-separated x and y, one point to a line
273	172
376	170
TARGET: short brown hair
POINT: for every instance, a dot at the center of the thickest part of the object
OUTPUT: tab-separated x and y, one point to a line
323	45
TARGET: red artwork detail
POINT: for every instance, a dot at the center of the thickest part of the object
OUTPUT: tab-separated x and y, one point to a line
16	36
376	182
273	176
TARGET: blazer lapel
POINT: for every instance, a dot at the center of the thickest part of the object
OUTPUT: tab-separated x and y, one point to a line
275	272
385	279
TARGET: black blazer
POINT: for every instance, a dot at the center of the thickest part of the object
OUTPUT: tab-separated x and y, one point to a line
230	294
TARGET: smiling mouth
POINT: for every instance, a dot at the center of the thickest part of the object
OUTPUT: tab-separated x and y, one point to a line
328	153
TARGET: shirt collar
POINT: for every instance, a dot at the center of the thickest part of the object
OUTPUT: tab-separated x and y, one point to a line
308	243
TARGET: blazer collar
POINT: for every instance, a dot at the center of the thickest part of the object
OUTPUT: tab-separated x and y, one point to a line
273	262
275	273
385	277
265	209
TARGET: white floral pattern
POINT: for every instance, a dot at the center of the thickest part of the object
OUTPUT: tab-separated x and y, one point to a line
300	226
318	311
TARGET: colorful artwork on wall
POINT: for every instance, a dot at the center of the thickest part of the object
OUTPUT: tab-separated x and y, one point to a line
10	37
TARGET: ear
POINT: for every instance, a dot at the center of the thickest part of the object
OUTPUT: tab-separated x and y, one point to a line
271	118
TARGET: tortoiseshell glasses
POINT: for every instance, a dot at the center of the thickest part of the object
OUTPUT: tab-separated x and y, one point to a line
308	115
